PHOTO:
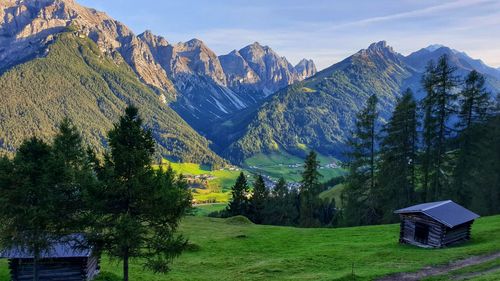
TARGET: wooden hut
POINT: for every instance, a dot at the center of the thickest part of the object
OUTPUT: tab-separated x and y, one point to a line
435	224
66	260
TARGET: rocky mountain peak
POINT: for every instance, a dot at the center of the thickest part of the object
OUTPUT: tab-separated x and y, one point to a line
28	26
306	68
379	52
152	39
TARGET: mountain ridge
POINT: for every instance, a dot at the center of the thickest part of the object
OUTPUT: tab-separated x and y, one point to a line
319	112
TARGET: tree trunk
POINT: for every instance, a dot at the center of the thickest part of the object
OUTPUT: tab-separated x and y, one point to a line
125	266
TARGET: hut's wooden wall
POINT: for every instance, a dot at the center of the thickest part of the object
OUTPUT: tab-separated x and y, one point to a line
439	234
68	269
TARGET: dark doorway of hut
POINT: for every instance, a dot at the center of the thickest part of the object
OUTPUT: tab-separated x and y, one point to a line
421	232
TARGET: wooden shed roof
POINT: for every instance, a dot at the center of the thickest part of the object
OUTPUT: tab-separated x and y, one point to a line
447	212
72	246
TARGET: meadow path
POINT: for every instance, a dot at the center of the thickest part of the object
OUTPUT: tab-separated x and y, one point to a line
442	269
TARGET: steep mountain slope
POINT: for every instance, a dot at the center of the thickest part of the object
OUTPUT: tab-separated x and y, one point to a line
75	79
318	113
27	26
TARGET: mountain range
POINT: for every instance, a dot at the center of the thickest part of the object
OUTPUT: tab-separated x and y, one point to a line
58	58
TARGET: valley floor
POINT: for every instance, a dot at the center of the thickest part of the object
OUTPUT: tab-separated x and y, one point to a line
236	250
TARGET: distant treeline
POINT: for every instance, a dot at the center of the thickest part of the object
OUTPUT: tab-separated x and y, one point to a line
446	146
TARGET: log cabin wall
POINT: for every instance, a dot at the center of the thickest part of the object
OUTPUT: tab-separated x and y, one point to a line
59	269
408	226
439	234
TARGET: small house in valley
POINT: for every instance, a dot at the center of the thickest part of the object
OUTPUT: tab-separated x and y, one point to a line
66	260
435	224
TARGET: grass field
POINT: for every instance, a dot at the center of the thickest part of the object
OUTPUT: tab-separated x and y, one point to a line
224	178
277	165
217	189
232	251
204	210
333	193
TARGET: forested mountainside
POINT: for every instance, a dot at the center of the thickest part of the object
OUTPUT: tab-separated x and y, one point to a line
248	101
78	81
319	113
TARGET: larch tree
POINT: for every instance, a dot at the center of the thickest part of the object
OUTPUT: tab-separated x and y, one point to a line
398	153
360	196
475	107
440	83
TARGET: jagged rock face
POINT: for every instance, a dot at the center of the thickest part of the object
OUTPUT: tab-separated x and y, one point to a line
275	72
305	69
189	58
29	25
239	74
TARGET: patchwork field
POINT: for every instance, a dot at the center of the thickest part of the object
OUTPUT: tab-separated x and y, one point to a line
233	249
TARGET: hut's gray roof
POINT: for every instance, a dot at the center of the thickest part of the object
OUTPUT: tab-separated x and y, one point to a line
72	246
447	212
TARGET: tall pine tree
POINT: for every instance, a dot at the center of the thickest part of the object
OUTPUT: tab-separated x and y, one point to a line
440	83
259	200
397	173
475	108
135	207
239	204
360	195
309	190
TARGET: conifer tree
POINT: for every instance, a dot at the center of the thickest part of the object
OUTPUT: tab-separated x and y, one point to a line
397	173
137	208
360	195
239	204
474	112
27	202
440	83
309	190
282	209
259	200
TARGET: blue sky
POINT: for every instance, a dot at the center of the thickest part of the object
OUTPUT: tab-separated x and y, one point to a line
325	30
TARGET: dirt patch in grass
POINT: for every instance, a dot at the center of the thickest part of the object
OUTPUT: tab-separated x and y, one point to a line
439	270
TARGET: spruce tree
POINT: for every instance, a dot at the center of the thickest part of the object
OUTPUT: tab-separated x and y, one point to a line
27	202
440	83
309	190
239	204
259	200
397	175
360	196
135	207
72	176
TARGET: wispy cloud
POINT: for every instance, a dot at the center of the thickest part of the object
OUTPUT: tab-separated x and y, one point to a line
423	12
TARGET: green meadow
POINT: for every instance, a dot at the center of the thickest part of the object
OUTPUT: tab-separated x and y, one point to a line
281	164
234	249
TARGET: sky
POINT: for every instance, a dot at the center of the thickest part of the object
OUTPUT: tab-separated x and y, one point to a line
326	31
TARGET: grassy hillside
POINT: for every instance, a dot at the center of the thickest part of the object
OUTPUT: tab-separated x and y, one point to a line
235	250
77	80
281	164
333	193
